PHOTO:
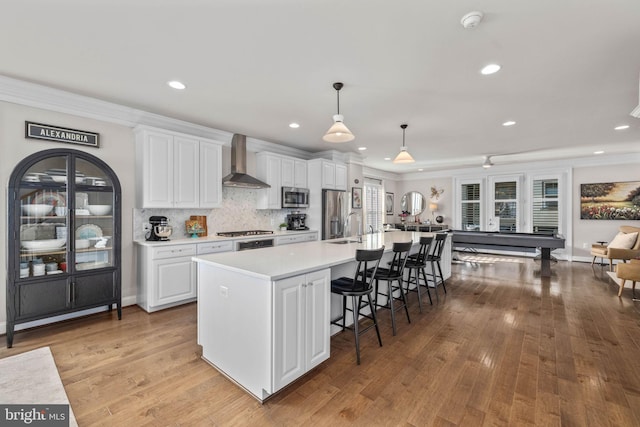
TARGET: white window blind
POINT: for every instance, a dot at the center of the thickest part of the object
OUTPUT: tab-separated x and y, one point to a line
470	206
373	205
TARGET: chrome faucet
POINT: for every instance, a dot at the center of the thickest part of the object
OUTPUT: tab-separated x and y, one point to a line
347	220
370	228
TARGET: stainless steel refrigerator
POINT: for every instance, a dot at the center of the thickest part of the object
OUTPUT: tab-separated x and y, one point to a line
334	214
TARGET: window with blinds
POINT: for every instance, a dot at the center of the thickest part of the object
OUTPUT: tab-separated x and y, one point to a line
470	206
545	206
373	206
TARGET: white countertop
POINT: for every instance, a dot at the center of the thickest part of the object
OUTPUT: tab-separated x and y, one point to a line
280	262
192	240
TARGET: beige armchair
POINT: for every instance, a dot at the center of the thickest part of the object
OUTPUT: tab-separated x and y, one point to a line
629	251
626	272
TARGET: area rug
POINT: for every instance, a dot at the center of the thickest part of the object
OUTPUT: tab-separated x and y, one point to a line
32	378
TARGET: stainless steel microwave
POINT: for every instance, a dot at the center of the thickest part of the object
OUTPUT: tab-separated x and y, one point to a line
295	197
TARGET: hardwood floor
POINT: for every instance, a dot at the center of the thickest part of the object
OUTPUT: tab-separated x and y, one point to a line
504	347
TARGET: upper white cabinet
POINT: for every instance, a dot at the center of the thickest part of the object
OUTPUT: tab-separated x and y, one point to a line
177	171
294	173
332	175
278	171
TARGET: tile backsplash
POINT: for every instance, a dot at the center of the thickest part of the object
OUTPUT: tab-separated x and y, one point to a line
238	212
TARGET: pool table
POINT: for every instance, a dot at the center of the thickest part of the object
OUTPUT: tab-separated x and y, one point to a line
521	242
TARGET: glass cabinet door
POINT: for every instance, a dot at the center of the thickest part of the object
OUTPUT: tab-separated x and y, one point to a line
66	225
93	215
43	222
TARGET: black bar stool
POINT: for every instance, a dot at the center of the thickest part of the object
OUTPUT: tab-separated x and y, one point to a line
416	265
434	259
356	287
395	273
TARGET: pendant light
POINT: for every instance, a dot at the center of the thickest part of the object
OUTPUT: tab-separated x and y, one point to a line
338	132
403	156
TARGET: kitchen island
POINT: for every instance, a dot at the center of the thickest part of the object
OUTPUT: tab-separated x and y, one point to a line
264	315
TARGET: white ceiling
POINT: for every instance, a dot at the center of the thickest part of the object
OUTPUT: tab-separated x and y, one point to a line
570	70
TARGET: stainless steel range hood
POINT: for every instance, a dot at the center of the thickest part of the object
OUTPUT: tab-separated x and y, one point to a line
238	176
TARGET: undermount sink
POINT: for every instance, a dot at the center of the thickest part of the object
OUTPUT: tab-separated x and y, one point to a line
343	242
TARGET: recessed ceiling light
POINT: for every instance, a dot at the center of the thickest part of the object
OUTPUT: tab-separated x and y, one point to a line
177	85
621	127
420	170
490	69
598	152
362	148
387	158
509	123
294	125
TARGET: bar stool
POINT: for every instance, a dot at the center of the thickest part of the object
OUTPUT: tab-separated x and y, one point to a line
395	273
356	287
434	259
416	265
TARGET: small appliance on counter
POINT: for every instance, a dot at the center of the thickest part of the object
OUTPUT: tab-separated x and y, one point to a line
296	221
160	229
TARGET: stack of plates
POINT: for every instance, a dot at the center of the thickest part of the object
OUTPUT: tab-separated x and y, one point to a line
60	175
33	177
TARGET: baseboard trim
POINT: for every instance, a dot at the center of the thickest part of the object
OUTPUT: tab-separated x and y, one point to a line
127	301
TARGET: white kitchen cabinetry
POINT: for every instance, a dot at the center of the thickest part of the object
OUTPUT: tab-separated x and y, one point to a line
176	170
294	172
215	247
301	325
278	171
297	238
332	175
167	274
210	175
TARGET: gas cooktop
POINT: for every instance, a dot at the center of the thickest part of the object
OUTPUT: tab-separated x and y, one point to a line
244	233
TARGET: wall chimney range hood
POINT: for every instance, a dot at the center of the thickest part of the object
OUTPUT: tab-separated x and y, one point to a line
238	177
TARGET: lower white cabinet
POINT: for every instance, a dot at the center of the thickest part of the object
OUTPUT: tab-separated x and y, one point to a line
297	238
301	325
167	274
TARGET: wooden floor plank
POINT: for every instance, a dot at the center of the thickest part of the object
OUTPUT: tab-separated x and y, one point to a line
502	347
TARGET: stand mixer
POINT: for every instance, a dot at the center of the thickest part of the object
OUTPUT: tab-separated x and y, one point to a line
160	229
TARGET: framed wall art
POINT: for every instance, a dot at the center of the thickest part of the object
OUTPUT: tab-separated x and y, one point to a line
610	200
356	197
388	203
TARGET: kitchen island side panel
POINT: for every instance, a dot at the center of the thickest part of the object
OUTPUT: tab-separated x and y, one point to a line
234	326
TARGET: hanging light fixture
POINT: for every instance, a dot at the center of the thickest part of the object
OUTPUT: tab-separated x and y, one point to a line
487	162
403	156
338	132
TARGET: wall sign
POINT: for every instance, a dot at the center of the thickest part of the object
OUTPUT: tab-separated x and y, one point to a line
58	134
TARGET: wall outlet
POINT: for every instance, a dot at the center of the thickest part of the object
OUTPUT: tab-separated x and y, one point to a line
584	246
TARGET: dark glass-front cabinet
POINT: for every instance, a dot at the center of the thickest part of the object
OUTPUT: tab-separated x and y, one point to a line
64	237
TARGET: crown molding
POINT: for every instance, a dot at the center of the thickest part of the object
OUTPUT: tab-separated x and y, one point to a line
574	163
43	97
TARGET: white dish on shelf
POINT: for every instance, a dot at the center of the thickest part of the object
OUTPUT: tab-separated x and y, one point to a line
37	209
87	231
83	212
82	243
50	198
42	245
99	209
